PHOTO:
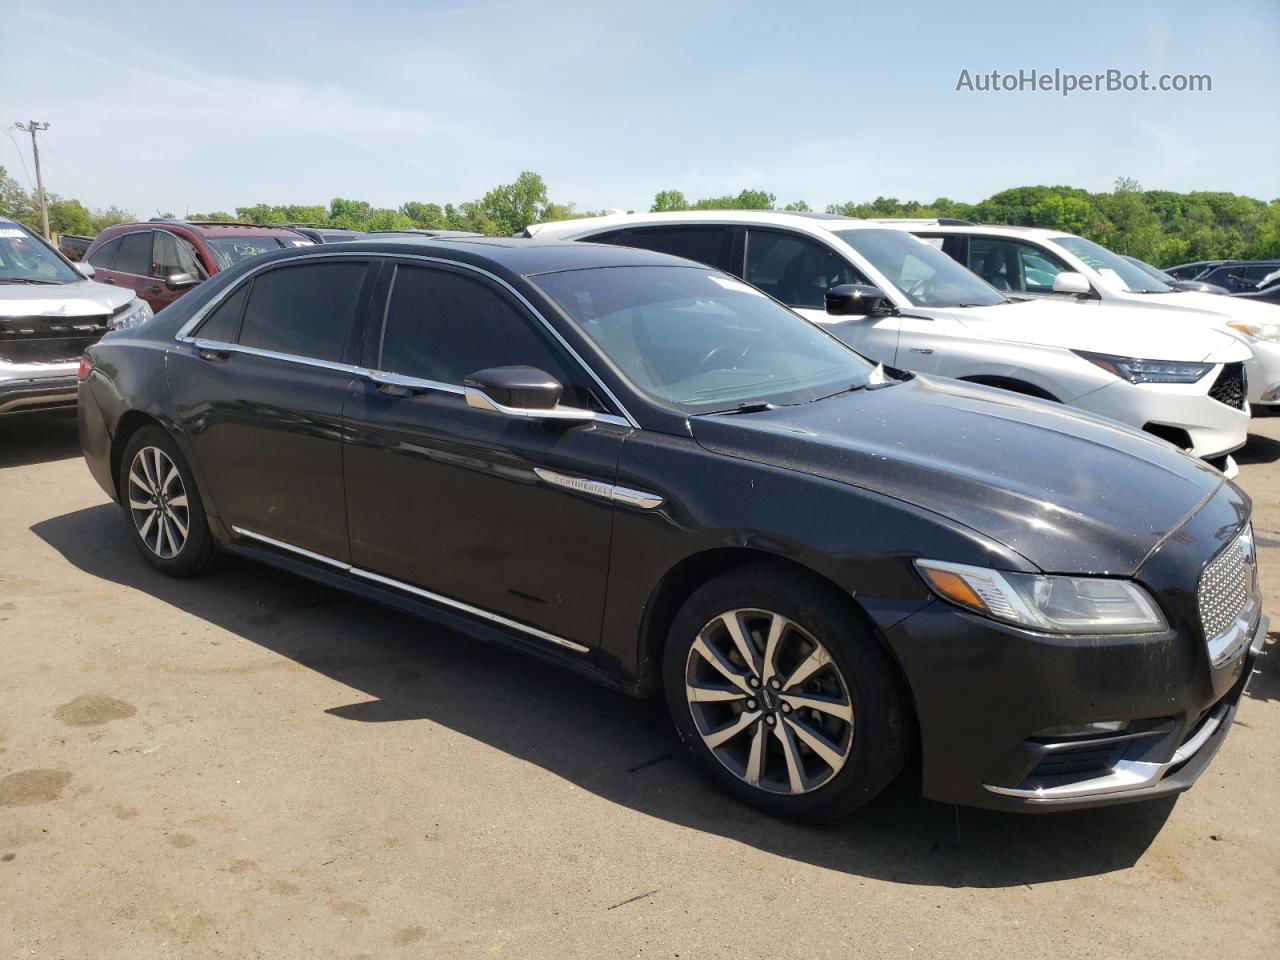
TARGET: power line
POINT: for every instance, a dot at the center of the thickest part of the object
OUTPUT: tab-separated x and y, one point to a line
33	127
21	159
58	160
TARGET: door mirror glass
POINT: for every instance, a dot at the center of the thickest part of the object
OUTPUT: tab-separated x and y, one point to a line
849	299
525	393
84	269
179	281
1071	282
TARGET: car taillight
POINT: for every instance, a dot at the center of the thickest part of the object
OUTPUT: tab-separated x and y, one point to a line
86	368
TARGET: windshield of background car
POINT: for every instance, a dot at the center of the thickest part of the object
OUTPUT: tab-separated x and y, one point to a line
24	258
228	251
922	273
703	341
1112	266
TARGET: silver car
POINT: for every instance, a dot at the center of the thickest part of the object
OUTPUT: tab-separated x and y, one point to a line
50	310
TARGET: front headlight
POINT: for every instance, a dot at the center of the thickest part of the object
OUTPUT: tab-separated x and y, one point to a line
139	312
1259	331
1147	371
1044	603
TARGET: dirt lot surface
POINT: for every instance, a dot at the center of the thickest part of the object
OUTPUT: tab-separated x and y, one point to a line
248	765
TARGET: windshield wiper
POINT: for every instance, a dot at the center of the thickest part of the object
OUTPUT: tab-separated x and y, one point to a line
56	283
758	406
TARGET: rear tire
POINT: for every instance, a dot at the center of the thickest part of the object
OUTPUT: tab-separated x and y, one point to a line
162	506
784	696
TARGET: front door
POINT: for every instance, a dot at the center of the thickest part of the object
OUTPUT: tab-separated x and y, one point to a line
503	515
259	392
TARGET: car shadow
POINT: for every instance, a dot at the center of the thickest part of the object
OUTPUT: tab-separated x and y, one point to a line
401	668
1258	449
32	438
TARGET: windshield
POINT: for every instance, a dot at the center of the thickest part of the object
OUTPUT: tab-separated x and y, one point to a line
1111	266
228	251
25	258
703	341
922	273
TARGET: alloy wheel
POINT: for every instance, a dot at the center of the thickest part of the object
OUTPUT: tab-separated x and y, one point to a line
158	502
769	701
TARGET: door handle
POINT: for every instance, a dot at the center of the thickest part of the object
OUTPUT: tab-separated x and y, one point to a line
154	289
394	385
213	356
106	280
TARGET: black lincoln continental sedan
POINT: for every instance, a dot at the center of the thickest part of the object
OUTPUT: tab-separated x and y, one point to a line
657	475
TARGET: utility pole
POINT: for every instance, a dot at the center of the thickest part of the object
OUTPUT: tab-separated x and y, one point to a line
32	128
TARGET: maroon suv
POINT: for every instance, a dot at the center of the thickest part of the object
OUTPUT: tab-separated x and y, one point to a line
162	259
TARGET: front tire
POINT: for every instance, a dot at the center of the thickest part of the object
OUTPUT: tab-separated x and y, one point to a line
162	506
784	697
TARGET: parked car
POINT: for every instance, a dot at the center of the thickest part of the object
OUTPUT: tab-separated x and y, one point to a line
73	247
1181	382
327	234
1189	271
682	486
49	312
1240	275
162	259
1269	294
436	234
1049	264
1198	286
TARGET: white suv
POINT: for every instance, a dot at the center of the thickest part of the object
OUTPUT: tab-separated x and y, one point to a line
1176	380
1030	261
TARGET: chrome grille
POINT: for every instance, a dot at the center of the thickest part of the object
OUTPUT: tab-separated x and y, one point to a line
1226	584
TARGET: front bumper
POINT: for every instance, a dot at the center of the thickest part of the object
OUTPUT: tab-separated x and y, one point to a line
26	391
1184	414
1263	370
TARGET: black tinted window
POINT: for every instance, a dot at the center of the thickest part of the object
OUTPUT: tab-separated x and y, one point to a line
305	310
134	255
223	323
709	245
105	255
796	270
443	326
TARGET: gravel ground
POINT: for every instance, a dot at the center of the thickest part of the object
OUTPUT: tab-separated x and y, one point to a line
248	765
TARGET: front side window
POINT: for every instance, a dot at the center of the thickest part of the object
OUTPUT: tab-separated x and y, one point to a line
927	277
172	255
702	341
1113	268
26	258
134	255
444	326
105	255
305	310
794	269
1014	265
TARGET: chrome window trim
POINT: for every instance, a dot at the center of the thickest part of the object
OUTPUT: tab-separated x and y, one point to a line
480	612
184	333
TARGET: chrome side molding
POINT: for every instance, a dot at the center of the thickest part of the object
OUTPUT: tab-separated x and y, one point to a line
436	598
598	488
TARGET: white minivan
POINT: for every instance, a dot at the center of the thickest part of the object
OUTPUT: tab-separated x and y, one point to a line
1176	380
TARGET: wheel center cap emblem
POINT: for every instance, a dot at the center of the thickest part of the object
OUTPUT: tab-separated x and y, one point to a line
768	699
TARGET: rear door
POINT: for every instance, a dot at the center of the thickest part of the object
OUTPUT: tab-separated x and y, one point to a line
508	517
132	266
259	389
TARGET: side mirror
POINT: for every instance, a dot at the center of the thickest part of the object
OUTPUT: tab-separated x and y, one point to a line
180	281
84	269
857	298
1068	281
523	393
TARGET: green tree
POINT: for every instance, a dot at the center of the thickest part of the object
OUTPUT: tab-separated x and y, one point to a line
798	206
665	201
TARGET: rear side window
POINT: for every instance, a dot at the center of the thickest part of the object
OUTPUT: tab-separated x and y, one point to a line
223	322
305	310
443	326
105	255
134	255
709	245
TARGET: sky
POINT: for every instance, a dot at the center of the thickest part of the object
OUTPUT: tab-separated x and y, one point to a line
193	107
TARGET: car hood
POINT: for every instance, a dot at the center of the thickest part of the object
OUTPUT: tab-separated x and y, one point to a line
1070	492
1107	328
84	298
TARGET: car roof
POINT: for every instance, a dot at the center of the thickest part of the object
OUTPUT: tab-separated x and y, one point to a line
807	221
207	228
514	255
